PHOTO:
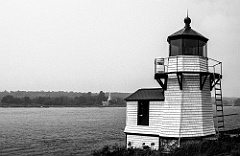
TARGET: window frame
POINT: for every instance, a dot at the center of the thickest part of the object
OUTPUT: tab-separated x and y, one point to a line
143	113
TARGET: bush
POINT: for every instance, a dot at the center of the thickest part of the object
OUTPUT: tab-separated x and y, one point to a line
188	149
123	151
205	148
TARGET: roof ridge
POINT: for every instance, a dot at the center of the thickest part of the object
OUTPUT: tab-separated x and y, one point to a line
148	88
156	94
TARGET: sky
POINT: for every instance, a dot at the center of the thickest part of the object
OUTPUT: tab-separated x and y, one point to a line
107	45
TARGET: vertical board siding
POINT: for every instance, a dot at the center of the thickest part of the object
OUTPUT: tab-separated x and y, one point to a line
138	141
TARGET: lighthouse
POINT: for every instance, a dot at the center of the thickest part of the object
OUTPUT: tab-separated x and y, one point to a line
181	109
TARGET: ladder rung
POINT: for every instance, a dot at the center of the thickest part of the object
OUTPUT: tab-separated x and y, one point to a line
218	94
218	99
221	126
218	88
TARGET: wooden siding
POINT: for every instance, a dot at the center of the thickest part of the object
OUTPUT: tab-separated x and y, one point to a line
184	113
187	63
187	112
138	141
155	111
131	112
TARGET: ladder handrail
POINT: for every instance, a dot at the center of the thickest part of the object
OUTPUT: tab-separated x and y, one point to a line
217	99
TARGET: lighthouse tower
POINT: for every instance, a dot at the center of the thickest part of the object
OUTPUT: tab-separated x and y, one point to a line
181	110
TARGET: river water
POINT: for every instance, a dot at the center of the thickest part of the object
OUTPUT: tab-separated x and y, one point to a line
67	131
59	131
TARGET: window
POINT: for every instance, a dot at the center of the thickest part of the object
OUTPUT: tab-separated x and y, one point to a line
188	47
143	113
203	49
176	47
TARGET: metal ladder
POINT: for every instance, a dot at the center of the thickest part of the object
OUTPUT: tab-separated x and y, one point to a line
219	106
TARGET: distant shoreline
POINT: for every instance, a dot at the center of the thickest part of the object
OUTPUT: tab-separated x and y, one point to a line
56	106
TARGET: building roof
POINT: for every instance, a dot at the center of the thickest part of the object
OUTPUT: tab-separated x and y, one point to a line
187	32
151	94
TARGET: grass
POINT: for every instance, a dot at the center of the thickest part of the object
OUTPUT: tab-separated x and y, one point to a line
222	147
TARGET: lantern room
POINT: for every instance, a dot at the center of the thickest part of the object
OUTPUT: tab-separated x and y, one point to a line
187	42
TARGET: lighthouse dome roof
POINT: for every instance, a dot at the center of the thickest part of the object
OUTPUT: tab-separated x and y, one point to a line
187	32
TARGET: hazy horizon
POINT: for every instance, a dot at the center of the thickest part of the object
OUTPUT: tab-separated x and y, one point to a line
108	45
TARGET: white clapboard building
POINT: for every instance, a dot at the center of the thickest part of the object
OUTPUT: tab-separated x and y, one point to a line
181	109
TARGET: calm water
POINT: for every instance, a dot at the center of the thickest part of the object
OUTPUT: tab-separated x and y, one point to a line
67	131
59	131
231	122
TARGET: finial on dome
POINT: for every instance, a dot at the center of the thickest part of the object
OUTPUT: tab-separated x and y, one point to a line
187	21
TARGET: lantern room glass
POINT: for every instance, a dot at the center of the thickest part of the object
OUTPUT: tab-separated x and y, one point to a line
188	47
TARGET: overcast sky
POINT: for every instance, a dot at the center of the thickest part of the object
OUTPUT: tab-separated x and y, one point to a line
109	45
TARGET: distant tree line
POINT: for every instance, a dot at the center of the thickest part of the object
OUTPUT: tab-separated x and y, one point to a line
86	99
237	102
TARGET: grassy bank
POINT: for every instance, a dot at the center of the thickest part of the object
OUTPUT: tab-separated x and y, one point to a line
222	147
